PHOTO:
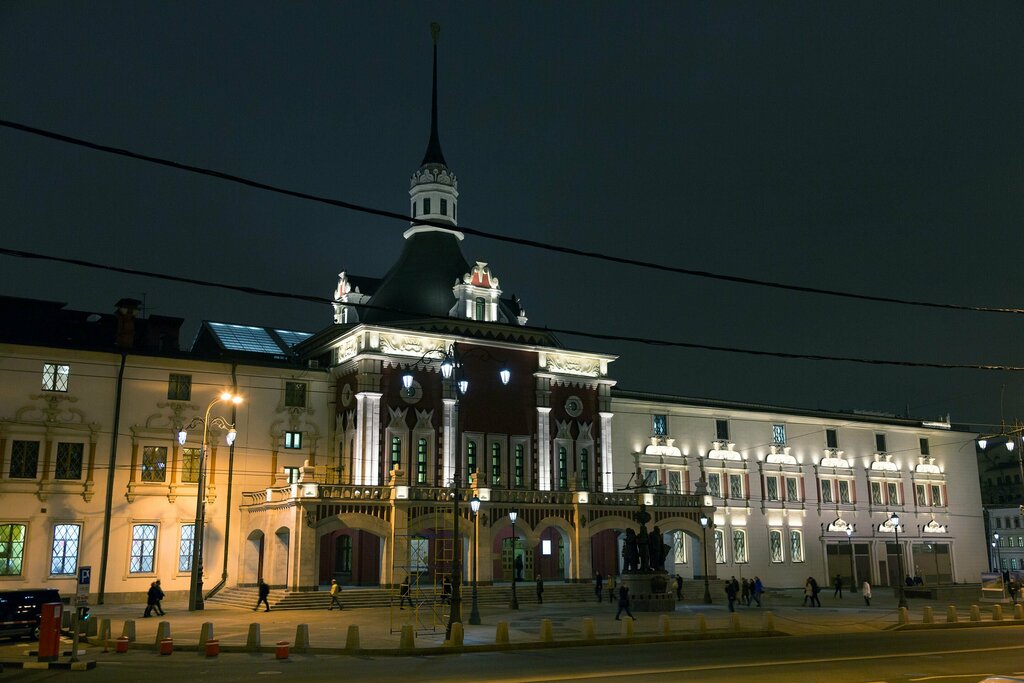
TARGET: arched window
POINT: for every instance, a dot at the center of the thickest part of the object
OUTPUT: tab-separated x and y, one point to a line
343	554
479	309
520	464
471	457
421	461
396	452
495	464
563	466
584	468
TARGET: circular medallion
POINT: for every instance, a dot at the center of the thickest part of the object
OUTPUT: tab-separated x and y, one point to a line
346	395
573	406
413	394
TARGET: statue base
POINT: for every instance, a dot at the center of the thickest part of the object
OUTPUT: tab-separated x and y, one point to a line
649	592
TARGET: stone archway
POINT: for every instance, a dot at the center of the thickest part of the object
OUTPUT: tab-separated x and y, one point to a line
279	558
252	558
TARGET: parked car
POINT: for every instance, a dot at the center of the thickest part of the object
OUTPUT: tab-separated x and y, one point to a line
21	610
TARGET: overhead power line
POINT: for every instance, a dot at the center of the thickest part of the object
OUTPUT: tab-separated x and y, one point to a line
736	279
556	330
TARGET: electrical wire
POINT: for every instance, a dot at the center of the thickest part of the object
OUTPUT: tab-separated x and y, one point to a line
536	244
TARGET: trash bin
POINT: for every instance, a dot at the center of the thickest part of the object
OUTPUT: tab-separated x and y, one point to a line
122	645
282	649
212	648
166	646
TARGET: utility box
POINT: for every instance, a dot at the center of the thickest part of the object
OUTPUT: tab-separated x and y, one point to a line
49	631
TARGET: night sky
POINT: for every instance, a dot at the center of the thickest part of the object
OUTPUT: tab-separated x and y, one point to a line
867	147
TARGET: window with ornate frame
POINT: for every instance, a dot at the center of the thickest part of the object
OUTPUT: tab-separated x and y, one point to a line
154	464
12	549
739	545
495	463
844	492
295	394
520	464
876	493
826	490
142	559
937	500
715	484
64	552
792	490
24	460
796	546
56	376
775	546
584	471
186	542
736	487
69	461
771	488
719	536
396	452
563	467
293	440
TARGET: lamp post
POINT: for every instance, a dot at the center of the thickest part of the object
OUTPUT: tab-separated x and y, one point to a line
195	593
704	544
853	559
894	522
999	557
474	505
513	515
454	373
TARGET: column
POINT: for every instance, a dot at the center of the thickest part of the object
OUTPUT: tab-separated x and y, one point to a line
607	470
544	448
367	438
449	421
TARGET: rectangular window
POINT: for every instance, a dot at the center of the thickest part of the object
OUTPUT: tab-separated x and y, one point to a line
69	461
55	377
12	549
154	463
722	430
775	545
715	484
64	555
396	453
584	472
893	491
426	205
779	435
922	497
179	387
185	544
796	546
925	447
844	491
880	443
736	486
792	490
444	206
24	459
495	463
659	425
419	553
826	491
520	464
563	465
772	488
292	474
294	394
143	556
293	440
471	457
679	547
876	493
719	546
739	545
937	497
414	209
831	438
190	465
650	477
675	482
421	461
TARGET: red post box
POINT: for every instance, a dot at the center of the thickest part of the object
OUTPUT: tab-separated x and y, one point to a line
49	631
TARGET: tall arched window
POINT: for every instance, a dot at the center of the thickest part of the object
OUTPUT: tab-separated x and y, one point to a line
520	464
471	457
563	467
421	461
343	554
584	468
396	452
495	464
479	309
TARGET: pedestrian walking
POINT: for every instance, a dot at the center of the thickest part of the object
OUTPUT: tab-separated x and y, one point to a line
598	586
403	594
624	603
264	594
540	590
758	589
837	584
679	587
865	590
730	593
153	597
807	593
815	589
446	590
745	592
335	593
611	588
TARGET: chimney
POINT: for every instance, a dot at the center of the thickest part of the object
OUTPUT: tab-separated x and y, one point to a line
127	309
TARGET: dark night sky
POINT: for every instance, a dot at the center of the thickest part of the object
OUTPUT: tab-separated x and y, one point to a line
869	147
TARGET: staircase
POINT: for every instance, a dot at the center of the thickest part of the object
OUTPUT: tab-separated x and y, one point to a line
357	598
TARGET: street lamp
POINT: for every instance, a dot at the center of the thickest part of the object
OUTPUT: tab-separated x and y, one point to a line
513	515
995	544
454	373
853	560
195	593
704	544
474	505
894	522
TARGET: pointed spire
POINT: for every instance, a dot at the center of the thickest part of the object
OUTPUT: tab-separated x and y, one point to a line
433	154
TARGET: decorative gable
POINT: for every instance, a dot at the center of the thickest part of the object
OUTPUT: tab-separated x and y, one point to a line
477	295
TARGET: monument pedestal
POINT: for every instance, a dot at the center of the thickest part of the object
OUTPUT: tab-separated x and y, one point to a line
649	592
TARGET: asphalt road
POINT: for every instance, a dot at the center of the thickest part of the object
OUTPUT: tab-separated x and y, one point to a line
940	655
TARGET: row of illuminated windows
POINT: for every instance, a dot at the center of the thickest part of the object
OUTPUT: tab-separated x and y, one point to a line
833	490
1011	563
1011	541
778	551
24	462
65	542
494	466
659	427
1004	522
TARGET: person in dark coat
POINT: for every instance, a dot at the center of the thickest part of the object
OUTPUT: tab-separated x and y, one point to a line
540	590
815	589
598	586
153	598
264	594
679	587
446	590
837	584
624	602
730	592
403	594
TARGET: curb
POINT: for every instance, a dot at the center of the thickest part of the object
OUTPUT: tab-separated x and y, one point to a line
66	666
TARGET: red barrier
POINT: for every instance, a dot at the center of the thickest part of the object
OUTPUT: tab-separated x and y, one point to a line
122	645
282	649
166	646
49	631
212	648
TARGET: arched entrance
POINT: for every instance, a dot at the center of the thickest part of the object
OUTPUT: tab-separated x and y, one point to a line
252	558
280	557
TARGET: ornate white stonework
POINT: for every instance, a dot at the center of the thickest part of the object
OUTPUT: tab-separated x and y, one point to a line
409	345
927	466
884	463
572	365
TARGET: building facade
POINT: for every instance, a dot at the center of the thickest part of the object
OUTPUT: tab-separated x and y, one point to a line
359	448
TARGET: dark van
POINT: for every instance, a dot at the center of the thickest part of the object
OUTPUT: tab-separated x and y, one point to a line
21	611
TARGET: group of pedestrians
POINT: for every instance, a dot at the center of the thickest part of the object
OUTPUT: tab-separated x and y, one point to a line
747	592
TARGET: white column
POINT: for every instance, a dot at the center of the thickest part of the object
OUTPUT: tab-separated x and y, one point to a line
606	452
367	438
450	417
544	448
